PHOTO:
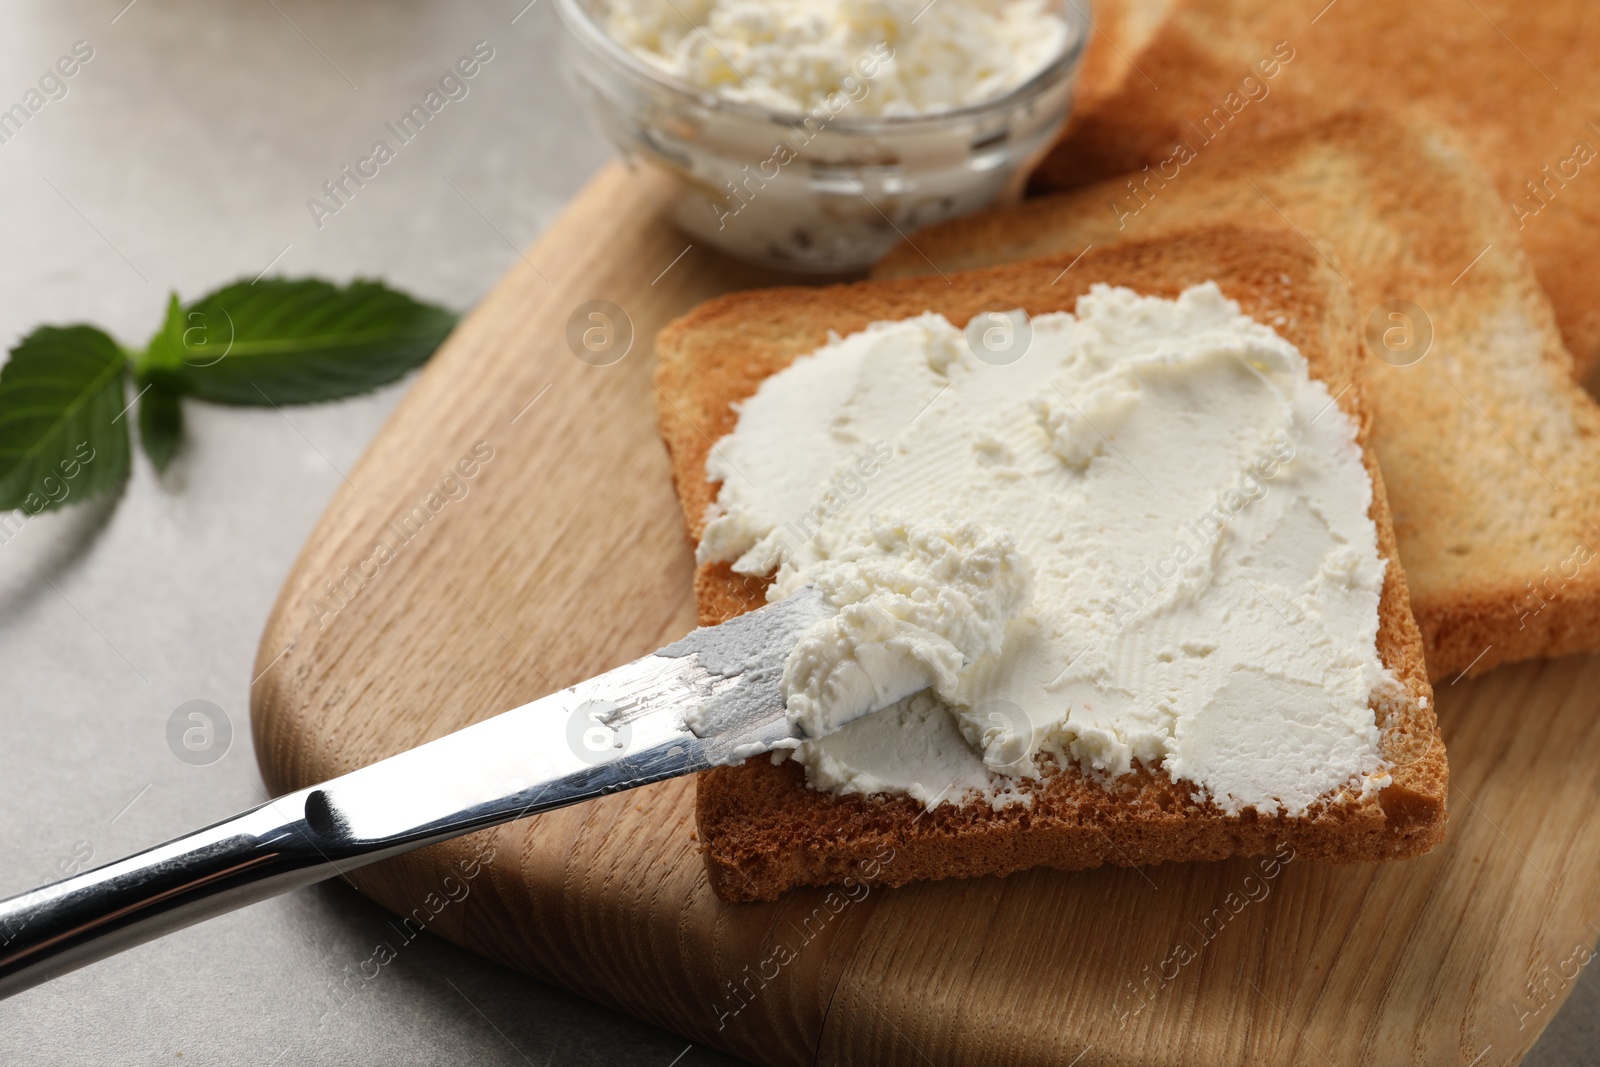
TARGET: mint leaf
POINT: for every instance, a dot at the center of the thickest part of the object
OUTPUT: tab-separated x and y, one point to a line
62	434
291	342
160	424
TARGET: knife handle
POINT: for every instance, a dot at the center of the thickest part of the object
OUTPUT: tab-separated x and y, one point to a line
235	862
619	730
293	841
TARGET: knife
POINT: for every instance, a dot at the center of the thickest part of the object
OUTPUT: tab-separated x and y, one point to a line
715	697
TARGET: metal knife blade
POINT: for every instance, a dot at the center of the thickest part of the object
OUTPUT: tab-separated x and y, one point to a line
714	697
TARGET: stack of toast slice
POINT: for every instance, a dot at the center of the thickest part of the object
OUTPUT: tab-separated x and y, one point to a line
1490	450
1518	80
764	830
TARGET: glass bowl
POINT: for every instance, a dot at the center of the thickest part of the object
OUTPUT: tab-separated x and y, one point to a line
818	192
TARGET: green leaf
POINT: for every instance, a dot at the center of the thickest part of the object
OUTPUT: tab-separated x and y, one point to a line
62	432
160	424
291	342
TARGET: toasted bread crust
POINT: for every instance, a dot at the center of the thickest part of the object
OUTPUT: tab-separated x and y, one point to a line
763	830
1489	446
1489	69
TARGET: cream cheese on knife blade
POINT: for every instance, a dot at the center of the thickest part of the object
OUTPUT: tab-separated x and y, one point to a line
1141	536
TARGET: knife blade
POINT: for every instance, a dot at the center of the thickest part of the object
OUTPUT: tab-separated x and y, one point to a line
714	697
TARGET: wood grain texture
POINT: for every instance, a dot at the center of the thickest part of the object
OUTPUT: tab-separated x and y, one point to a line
565	555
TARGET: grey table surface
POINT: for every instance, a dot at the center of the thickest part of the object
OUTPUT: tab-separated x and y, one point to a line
182	155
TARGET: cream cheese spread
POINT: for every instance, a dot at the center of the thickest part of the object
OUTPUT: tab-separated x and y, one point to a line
912	605
791	55
1141	536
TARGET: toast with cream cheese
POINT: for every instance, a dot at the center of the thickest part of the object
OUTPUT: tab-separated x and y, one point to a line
764	829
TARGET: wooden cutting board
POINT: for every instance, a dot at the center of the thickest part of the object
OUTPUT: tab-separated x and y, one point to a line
563	554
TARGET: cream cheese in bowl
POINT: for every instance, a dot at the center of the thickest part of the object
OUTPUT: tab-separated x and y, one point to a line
793	56
812	134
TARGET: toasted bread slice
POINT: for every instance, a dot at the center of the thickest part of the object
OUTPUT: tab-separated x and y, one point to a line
764	830
1490	68
1490	450
1119	32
